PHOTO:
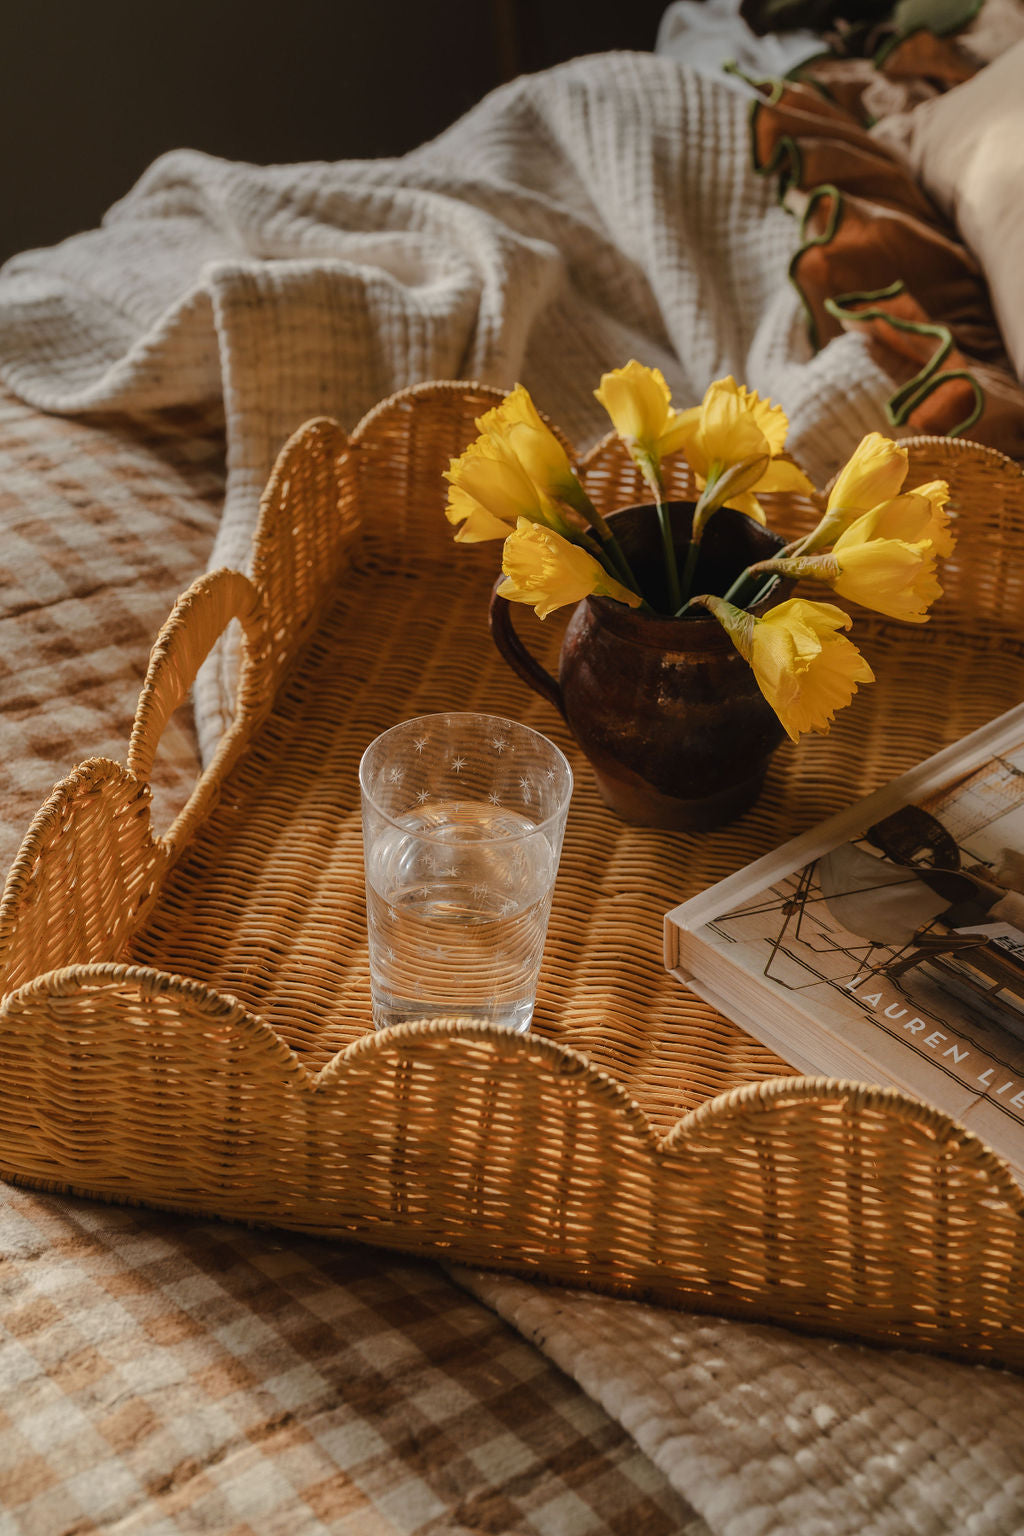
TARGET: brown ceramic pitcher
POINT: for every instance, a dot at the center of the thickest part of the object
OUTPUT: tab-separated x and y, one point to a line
666	710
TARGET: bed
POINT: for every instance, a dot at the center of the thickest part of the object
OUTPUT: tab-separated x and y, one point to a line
163	1373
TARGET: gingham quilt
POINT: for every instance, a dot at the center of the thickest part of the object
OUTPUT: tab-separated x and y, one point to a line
163	1375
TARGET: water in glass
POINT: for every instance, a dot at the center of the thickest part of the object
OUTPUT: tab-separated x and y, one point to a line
458	895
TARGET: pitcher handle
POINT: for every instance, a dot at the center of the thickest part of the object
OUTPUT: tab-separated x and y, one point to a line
516	654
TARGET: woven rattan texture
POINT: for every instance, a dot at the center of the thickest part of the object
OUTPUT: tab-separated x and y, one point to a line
187	1020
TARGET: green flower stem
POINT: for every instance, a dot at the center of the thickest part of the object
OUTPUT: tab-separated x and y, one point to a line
675	595
651	470
609	545
768	568
732	596
797	546
706	503
739	584
762	592
689	571
701	513
581	504
617	555
829	526
691	602
586	538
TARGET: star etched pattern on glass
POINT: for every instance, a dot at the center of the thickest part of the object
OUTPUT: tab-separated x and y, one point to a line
463	819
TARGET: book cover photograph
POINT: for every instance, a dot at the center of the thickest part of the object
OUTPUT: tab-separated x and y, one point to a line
887	946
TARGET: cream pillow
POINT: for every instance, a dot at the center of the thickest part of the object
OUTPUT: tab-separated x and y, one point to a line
966	149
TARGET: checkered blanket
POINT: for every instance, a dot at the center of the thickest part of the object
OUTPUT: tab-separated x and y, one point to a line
160	1374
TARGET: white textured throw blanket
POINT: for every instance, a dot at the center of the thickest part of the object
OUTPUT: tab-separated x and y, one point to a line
576	219
573	220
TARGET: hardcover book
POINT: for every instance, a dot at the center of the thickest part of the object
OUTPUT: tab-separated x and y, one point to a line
887	944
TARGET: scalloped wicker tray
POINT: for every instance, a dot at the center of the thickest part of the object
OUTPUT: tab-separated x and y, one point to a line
186	1018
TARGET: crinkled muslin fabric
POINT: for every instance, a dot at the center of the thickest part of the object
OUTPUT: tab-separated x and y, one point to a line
604	210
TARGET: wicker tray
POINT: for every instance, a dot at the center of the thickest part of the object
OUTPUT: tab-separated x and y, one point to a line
186	1018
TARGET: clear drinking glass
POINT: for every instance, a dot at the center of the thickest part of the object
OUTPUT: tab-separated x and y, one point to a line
463	819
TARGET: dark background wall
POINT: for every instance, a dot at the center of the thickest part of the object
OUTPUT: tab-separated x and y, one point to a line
91	93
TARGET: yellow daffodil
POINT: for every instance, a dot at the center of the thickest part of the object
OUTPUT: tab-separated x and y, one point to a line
884	559
916	516
804	668
490	491
639	402
545	570
883	571
888	576
517	423
733	441
932	523
874	473
516	468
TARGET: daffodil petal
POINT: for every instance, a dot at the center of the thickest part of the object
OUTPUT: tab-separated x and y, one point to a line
782	475
473	522
771	419
683	431
936	493
518	466
545	570
498	484
804	668
517	423
904	517
517	406
638	402
747	503
875	472
916	515
889	576
730	431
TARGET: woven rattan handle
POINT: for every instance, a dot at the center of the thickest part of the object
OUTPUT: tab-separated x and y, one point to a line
197	621
518	657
